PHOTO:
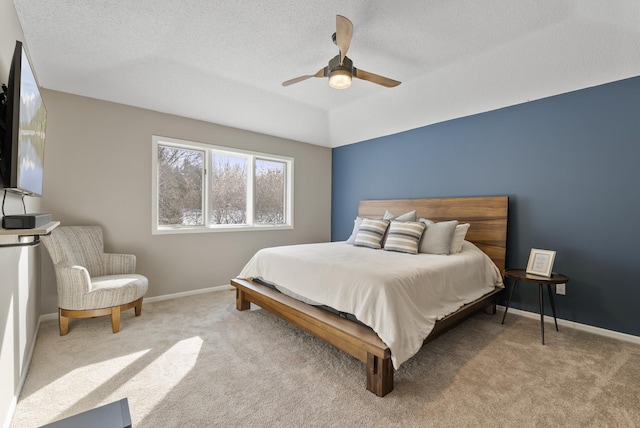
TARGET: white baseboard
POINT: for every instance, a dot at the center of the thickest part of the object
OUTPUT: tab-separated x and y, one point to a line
48	317
187	293
574	325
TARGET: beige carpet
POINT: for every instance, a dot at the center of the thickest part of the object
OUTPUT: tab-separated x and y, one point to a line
197	362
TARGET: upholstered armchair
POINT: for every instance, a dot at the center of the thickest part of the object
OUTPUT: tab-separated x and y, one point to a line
91	282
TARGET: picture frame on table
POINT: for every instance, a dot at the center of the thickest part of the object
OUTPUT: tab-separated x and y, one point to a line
541	262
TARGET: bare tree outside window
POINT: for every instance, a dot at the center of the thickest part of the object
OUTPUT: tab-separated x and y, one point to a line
270	187
180	173
228	190
202	188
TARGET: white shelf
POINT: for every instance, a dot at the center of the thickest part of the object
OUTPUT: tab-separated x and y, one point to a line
47	228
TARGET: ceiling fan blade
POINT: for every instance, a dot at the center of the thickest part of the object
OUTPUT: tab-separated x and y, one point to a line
344	31
380	80
321	73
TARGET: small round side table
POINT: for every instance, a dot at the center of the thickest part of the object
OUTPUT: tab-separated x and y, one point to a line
522	275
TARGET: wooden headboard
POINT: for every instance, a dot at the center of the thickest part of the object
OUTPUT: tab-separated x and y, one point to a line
486	214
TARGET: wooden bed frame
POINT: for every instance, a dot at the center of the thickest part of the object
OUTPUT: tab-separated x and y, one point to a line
488	231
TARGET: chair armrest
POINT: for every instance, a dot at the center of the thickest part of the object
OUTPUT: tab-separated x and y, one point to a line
117	264
73	283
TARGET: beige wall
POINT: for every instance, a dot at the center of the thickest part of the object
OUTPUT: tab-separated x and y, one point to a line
98	171
19	267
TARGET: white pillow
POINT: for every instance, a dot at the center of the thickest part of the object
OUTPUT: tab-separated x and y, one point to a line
356	226
458	238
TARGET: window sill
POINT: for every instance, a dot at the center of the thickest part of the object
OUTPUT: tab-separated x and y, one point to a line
219	229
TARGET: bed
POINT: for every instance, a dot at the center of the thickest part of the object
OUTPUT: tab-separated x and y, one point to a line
487	217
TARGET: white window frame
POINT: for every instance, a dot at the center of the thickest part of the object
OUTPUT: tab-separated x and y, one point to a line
209	149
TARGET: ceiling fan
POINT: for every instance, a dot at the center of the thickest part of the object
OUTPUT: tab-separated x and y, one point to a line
340	69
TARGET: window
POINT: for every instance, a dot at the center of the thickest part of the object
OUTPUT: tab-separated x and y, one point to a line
203	188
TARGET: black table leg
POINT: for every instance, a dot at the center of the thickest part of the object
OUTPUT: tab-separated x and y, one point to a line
541	312
506	308
553	305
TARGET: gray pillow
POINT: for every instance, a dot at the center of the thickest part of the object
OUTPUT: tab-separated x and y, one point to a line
410	216
436	239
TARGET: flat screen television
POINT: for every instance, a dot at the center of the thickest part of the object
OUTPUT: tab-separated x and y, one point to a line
25	119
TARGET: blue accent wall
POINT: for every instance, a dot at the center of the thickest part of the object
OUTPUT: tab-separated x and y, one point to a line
570	165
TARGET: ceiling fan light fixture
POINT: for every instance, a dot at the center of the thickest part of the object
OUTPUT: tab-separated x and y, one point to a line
340	78
340	69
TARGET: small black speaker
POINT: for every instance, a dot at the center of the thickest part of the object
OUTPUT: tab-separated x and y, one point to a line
25	221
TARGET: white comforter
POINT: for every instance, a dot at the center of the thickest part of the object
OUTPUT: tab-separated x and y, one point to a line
400	296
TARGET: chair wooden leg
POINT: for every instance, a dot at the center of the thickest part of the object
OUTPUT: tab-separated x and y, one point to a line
63	322
115	319
138	307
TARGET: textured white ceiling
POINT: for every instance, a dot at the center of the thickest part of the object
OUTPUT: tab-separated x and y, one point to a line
224	61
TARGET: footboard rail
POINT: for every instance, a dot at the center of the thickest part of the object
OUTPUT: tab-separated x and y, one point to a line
355	339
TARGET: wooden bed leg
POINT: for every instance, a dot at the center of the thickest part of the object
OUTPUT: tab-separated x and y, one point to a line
379	375
491	309
241	303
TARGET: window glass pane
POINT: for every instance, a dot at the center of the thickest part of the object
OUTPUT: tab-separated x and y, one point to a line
228	189
270	187
180	173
